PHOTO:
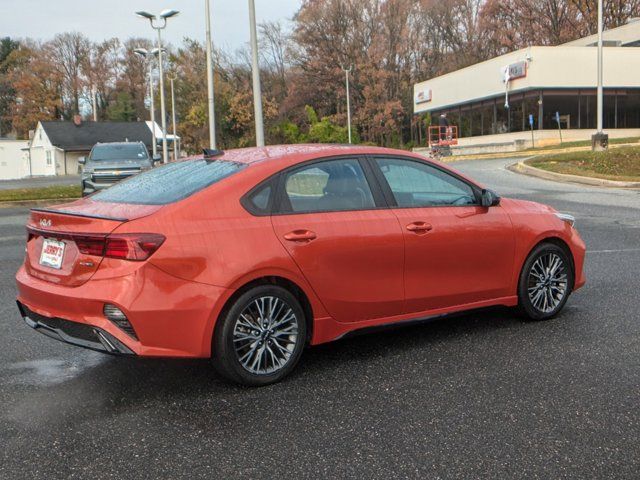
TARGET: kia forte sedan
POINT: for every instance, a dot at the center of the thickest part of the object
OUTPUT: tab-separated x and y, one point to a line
248	256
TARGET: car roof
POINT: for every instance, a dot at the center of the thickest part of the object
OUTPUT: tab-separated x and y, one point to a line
302	151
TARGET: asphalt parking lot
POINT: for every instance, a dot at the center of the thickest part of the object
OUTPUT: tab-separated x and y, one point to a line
483	395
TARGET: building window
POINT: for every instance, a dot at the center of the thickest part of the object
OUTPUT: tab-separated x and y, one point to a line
49	160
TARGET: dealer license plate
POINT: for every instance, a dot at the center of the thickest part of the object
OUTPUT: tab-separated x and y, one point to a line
52	253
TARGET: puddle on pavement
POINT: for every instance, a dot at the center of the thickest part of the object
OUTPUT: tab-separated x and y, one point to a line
49	371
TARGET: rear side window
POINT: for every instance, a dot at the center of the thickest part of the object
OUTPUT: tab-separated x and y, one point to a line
133	151
332	185
168	183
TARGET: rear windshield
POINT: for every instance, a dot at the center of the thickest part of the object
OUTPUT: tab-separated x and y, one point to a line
134	151
168	183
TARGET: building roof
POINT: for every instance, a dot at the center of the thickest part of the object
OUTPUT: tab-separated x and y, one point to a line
624	36
71	137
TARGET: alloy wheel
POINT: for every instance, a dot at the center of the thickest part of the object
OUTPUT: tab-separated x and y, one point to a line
265	335
547	283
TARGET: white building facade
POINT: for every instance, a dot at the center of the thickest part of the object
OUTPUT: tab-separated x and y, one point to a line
537	88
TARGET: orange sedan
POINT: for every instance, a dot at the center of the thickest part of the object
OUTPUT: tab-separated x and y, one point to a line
248	256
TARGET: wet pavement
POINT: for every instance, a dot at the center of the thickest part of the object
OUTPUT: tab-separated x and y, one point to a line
483	395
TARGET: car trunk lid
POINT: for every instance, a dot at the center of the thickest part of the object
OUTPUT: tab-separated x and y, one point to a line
64	242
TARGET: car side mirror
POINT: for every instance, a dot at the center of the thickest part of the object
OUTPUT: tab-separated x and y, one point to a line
156	159
489	198
82	160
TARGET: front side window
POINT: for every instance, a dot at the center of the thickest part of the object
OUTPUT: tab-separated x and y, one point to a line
418	184
49	160
168	183
332	185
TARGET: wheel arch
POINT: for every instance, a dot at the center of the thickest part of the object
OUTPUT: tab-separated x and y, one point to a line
275	280
559	242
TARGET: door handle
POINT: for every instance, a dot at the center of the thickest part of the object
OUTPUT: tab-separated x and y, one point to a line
419	227
300	236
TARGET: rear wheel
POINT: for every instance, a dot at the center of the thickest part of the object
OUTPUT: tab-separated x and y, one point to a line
545	282
261	337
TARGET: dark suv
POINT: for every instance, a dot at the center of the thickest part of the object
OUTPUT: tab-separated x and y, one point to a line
108	163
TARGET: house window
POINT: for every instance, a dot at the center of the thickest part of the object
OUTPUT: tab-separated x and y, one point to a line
49	161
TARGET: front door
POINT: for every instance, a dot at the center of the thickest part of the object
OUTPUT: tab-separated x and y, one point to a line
456	252
349	249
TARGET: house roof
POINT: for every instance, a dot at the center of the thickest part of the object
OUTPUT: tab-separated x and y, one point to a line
71	137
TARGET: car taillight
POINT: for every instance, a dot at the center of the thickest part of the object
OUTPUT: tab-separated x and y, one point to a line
89	245
125	246
132	246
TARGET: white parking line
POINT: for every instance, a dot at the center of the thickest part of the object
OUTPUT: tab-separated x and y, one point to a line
615	251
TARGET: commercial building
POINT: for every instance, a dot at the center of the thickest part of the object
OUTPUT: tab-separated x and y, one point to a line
496	103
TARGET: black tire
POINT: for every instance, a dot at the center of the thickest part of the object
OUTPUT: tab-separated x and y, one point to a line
531	287
227	358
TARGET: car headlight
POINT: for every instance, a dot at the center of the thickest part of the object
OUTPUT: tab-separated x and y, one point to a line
565	217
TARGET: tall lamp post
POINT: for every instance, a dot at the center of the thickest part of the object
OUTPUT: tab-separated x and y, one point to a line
172	76
347	71
600	141
159	23
210	78
143	52
255	71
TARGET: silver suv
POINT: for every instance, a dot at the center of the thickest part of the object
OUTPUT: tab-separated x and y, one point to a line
108	163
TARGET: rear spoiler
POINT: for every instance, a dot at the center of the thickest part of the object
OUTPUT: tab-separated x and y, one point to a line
74	214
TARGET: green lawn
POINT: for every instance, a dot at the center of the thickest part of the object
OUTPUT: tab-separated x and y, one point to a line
585	143
43	193
616	164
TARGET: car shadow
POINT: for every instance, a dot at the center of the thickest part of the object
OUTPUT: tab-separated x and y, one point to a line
112	385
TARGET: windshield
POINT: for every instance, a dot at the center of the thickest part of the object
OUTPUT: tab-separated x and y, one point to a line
168	183
133	151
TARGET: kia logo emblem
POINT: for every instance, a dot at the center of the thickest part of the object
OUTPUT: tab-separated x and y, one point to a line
45	222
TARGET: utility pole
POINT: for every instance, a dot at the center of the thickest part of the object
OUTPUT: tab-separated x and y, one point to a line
210	79
255	71
346	74
600	141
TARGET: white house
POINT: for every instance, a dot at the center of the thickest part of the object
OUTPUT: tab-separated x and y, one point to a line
56	146
14	159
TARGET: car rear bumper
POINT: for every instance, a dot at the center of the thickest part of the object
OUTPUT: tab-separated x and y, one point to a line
74	333
171	317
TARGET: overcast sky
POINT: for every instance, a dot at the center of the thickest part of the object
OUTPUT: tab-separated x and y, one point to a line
100	19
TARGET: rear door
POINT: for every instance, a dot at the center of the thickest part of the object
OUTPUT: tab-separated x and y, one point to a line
348	246
456	252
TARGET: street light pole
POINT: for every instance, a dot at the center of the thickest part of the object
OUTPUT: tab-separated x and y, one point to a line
153	109
172	77
148	56
159	26
600	140
163	111
346	73
600	89
210	80
255	70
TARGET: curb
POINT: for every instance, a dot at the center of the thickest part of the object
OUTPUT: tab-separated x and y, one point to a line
523	168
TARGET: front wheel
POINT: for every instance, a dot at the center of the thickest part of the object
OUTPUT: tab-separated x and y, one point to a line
261	337
545	282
